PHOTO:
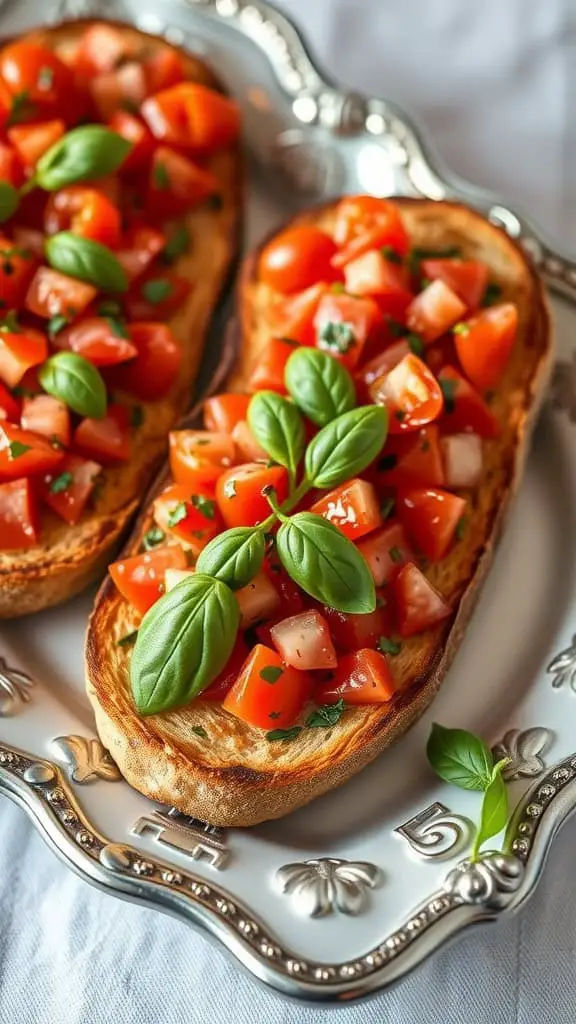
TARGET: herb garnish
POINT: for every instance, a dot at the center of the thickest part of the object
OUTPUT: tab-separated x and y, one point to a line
177	514
337	337
157	290
271	673
152	538
61	483
136	416
205	506
177	244
284	734
388	646
56	324
128	640
448	389
492	294
200	731
391	255
161	176
326	715
17	449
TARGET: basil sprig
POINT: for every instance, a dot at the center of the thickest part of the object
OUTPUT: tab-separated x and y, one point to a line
86	260
91	151
183	643
9	200
278	427
76	382
346	446
235	556
465	760
319	385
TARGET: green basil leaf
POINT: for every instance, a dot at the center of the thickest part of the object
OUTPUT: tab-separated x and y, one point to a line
321	387
9	201
326	715
346	446
128	639
184	641
177	244
278	427
284	734
234	556
327	565
91	151
152	538
460	757
494	816
76	382
86	260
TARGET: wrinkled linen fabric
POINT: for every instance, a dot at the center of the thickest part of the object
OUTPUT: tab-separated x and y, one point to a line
493	85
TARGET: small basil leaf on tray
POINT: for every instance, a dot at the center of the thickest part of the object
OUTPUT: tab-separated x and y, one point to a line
327	565
460	757
91	151
278	427
184	641
86	260
321	387
494	816
9	200
346	446
76	382
234	557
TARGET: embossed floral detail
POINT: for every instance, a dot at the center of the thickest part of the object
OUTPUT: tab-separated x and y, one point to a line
523	750
562	668
14	687
320	887
563	389
490	881
85	758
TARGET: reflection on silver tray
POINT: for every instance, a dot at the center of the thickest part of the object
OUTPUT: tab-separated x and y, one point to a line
379	873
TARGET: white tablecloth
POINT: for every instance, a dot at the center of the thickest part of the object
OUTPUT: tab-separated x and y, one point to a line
493	83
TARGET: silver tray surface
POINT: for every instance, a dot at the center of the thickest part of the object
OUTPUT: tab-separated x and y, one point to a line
341	898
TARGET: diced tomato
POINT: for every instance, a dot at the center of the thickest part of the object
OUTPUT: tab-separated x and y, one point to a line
268	374
364	223
304	642
11	169
193	116
156	367
108	186
138	248
223	412
410	460
386	552
289	594
239	492
32	141
293	317
464	410
68	488
431	517
258	600
103	47
352	632
343	324
176	184
23	453
192	518
418	604
372	274
107	440
18	352
54	294
442	353
9	406
86	212
468	278
43	414
16	269
35	73
411	394
353	508
225	681
29	238
135	131
163	68
248	448
157	296
99	339
140	579
165	115
379	366
296	259
434	311
484	343
124	87
18	515
6	103
362	677
199	455
32	207
462	456
267	693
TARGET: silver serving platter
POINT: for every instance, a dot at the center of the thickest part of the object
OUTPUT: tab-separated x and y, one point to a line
343	897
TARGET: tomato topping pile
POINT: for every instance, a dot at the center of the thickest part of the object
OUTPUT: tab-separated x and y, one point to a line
104	147
421	334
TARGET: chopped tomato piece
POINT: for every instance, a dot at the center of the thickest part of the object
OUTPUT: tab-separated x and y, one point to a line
247	447
18	352
102	340
239	492
229	674
304	641
462	455
43	414
140	579
6	104
289	594
23	453
86	212
352	632
373	274
18	515
468	278
362	677
296	258
54	294
258	600
484	343
163	68
293	317
199	455
192	518
107	440
223	412
464	409
123	87
11	169
68	488
386	552
411	394
267	693
156	367
16	269
29	238
364	223
431	517
434	311
268	374
41	83
103	47
418	604
9	406
353	508
32	141
138	248
410	460
380	365
157	296
343	324
177	184
193	116
135	131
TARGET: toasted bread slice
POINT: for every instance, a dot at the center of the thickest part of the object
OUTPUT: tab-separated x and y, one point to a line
69	557
236	776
